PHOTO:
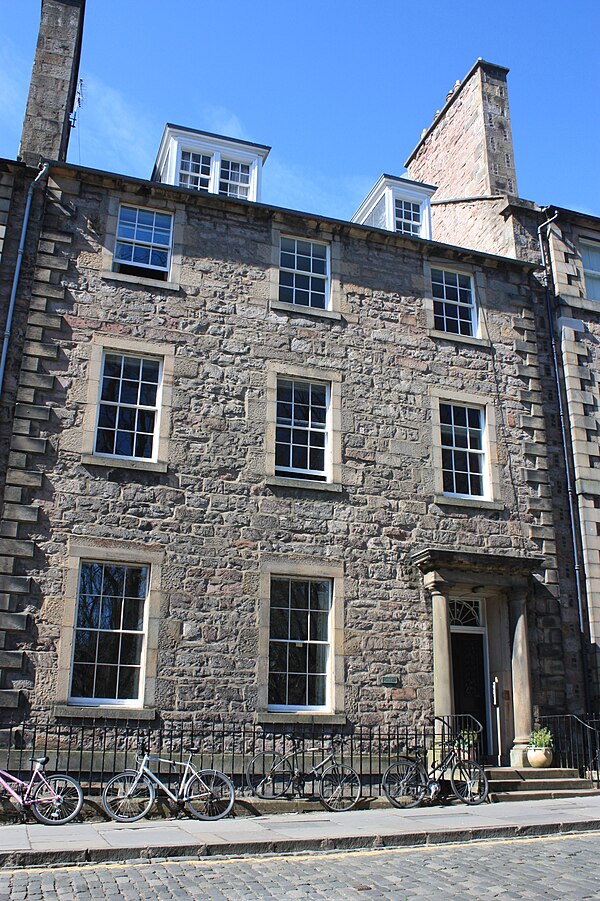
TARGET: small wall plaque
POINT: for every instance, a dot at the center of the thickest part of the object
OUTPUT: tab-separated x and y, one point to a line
390	680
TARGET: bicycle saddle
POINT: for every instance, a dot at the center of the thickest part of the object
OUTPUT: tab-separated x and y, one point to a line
192	749
42	760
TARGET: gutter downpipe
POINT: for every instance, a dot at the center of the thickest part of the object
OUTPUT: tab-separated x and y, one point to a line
573	517
15	283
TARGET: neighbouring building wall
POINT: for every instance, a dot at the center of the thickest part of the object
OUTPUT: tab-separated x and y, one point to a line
579	334
468	153
211	519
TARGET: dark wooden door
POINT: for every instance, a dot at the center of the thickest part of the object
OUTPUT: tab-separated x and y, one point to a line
468	672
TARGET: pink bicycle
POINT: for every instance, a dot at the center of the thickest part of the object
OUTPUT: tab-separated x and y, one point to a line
54	800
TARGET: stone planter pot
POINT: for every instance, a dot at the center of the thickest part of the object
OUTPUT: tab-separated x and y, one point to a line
539	757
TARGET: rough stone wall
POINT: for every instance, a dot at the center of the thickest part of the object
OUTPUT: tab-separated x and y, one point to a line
211	511
477	224
53	83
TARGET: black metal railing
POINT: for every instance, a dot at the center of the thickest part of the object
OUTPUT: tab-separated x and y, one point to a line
576	742
94	751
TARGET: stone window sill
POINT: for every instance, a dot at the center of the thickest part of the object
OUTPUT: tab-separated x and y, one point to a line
281	482
265	716
304	311
108	713
155	283
473	502
461	339
118	463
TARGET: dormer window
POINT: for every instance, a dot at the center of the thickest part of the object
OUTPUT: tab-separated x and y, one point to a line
398	205
408	217
210	163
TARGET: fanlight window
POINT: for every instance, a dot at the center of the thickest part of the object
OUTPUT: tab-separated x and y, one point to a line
465	613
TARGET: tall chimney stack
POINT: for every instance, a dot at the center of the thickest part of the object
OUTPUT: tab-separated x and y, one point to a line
53	86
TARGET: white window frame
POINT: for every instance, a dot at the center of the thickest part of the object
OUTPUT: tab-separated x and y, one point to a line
474	318
231	181
304	708
481	453
114	702
326	279
216	155
591	276
107	351
321	476
399	198
134	264
191	174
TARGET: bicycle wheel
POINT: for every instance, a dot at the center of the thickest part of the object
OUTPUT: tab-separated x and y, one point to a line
210	795
58	802
339	788
269	775
469	782
127	797
403	784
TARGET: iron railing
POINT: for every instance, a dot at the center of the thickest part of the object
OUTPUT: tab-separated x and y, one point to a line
576	743
94	751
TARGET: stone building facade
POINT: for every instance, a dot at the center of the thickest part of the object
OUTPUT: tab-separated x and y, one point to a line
477	203
232	493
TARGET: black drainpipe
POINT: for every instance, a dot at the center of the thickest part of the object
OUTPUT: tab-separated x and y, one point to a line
569	463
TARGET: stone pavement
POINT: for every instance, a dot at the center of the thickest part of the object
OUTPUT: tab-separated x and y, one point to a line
552	867
31	844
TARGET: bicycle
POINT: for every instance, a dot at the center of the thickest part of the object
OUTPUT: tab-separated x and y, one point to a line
54	800
207	794
270	775
407	781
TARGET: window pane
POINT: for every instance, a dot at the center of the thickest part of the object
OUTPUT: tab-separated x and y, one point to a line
277	688
278	656
279	627
82	682
85	646
108	647
106	682
298	625
280	592
297	695
317	691
299	594
129	678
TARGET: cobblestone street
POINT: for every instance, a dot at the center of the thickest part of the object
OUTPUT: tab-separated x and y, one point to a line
561	867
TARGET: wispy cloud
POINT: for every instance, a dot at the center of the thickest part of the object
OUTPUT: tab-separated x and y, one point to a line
111	133
312	191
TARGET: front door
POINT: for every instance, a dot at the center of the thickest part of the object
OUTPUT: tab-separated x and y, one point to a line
469	662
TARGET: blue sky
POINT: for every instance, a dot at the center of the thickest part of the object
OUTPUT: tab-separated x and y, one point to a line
341	89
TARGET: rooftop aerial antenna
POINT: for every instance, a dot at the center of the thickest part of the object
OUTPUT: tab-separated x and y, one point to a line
74	115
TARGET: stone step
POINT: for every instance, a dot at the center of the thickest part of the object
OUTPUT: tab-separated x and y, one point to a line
549	772
513	785
543	795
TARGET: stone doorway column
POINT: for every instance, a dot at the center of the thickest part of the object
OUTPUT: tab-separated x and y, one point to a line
521	680
443	693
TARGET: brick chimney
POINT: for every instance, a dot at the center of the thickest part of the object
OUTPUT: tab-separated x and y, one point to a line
53	84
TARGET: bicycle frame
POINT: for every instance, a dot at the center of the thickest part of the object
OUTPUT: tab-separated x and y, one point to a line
189	773
24	797
298	773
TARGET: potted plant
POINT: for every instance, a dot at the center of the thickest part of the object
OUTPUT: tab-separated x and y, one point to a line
539	752
466	742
